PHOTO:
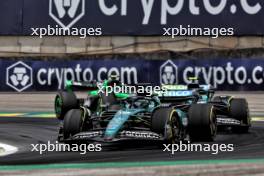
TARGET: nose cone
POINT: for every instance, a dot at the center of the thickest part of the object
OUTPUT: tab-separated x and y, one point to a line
108	139
115	124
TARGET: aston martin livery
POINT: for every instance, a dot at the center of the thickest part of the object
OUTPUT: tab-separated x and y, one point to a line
182	112
229	111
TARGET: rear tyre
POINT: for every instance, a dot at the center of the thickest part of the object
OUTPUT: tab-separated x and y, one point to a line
239	110
202	122
72	123
64	101
165	121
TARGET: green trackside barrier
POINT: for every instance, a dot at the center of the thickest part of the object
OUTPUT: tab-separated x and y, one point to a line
128	164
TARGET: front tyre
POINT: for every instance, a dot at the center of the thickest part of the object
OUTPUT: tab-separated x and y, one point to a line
202	122
239	110
64	101
165	121
73	123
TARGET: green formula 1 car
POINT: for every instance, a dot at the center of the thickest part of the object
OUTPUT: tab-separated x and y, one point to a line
139	118
67	99
229	111
114	117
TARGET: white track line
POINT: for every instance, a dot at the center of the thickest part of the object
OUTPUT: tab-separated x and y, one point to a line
6	149
257	119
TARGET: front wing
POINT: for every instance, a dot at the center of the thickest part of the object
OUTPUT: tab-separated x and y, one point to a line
98	135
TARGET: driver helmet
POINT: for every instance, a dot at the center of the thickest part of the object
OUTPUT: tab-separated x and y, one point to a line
113	79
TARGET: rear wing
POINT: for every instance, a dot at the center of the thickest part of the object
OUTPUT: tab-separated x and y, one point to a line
202	87
87	86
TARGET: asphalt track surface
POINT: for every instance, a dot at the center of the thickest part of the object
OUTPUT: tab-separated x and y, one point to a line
22	132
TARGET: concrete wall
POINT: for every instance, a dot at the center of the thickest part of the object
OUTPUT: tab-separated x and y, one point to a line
12	46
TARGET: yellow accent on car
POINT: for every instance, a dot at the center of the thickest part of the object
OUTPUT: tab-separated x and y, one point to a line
193	78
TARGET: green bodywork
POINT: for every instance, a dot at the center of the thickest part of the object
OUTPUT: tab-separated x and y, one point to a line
95	89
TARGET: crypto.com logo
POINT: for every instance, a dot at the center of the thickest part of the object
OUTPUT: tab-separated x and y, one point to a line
168	73
66	12
19	76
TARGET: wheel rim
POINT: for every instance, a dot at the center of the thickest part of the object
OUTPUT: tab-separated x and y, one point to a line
58	106
213	126
173	129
